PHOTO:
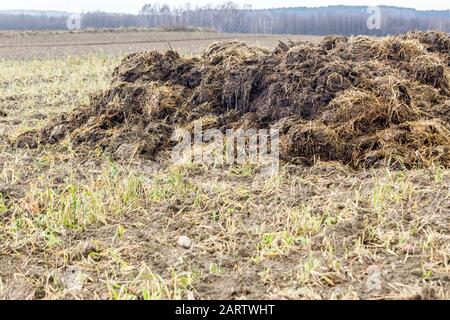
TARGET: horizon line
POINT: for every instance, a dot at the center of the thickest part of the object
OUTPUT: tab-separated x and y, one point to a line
254	9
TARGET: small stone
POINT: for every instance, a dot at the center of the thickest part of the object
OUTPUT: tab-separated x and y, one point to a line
190	296
185	242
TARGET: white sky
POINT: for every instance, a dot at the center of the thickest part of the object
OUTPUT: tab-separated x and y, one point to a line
133	6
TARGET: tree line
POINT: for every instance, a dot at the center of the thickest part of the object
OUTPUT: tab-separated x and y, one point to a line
229	17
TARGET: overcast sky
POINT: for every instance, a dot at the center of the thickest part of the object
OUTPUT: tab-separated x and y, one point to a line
133	6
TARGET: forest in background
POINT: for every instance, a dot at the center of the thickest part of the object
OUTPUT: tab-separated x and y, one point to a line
230	17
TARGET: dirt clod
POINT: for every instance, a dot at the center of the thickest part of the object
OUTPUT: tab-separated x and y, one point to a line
374	279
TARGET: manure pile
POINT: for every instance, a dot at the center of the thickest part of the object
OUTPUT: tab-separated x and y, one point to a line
361	101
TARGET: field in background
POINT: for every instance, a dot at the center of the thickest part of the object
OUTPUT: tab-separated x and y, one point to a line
41	44
83	226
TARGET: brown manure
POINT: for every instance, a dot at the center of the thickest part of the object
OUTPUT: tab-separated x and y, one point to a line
359	100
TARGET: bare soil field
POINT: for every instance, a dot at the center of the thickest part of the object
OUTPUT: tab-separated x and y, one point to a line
42	44
79	220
